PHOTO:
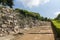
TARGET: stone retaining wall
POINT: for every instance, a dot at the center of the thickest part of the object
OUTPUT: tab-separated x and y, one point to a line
12	22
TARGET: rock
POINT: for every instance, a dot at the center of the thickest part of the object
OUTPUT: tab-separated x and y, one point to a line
11	32
1	35
10	21
4	25
15	20
26	28
11	16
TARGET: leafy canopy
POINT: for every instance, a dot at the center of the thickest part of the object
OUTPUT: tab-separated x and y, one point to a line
7	3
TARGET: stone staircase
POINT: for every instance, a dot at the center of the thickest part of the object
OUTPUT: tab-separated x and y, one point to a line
44	32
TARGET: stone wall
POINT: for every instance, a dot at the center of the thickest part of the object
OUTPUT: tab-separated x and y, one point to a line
12	22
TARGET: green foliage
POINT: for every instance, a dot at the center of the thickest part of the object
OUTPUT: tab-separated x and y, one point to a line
7	3
45	19
28	14
10	3
31	14
57	26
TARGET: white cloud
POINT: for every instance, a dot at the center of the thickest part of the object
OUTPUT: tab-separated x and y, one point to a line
32	3
56	13
45	1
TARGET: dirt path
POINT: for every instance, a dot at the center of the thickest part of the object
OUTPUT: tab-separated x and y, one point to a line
37	37
38	33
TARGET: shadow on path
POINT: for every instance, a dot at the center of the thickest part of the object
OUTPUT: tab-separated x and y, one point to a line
40	33
54	30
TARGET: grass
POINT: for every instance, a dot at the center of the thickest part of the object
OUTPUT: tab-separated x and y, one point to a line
57	26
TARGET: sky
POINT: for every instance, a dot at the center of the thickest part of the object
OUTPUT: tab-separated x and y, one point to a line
46	8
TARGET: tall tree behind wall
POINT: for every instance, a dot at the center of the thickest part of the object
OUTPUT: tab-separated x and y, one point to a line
7	3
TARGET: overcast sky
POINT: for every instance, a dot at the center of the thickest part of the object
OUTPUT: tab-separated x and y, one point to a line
46	8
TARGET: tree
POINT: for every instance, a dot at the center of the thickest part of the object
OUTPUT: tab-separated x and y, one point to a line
10	3
45	18
7	3
0	1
